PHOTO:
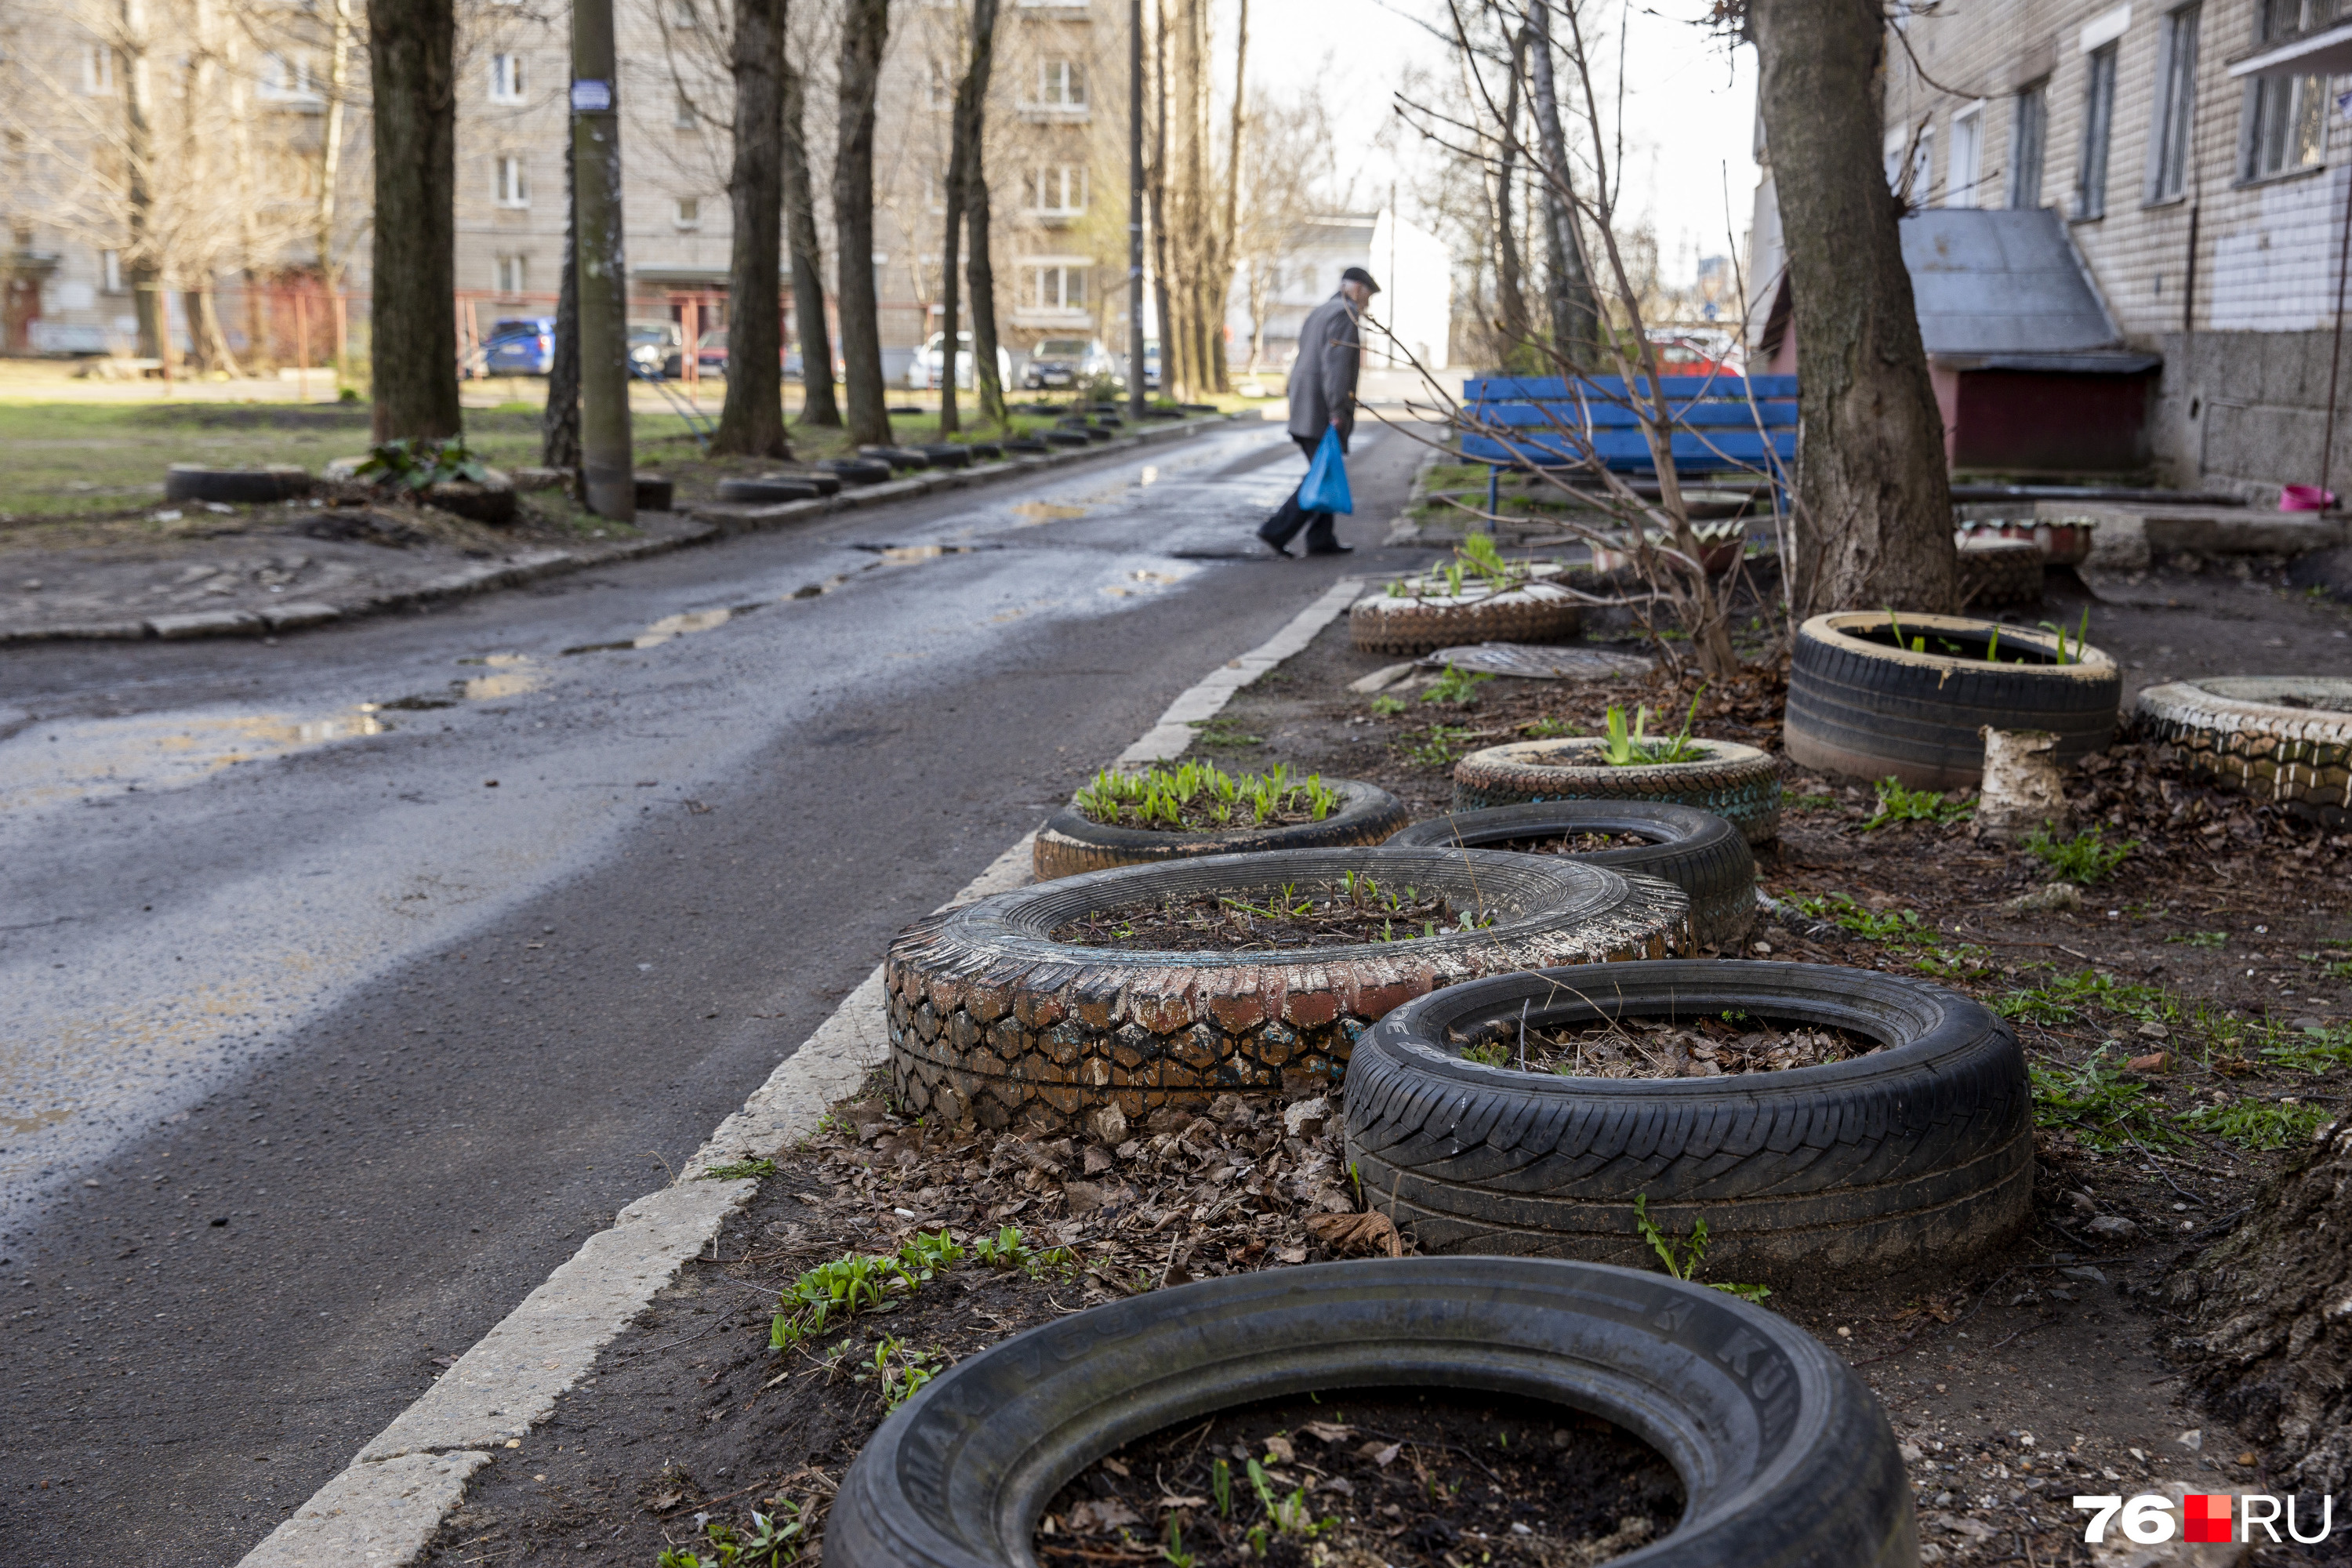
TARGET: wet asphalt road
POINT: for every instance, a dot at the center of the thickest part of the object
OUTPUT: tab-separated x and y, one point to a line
322	1049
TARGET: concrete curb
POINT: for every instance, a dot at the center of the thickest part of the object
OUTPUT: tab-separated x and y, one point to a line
387	1504
717	521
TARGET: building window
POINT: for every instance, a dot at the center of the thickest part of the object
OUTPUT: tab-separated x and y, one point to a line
2098	121
1058	190
514	182
284	78
506	79
682	13
938	89
514	274
2029	123
110	270
2284	124
1061	84
1967	157
684	117
1057	288
1907	176
688	214
2176	106
97	68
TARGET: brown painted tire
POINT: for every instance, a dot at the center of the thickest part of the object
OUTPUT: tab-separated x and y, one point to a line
1537	613
1069	844
1737	783
991	1017
1866	710
1917	1156
1996	573
2280	738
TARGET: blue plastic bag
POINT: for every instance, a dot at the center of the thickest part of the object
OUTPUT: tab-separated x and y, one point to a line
1326	487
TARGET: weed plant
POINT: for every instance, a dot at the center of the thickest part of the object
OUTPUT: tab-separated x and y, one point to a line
1457	687
1684	1256
835	1292
2085	859
2256	1125
1896	804
419	463
1630	747
774	1539
2099	1106
1440	745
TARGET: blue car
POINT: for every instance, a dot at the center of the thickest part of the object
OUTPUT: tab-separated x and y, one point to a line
520	346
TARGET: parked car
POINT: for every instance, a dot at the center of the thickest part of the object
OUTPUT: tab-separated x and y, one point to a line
520	346
1068	361
652	346
709	358
1150	368
923	370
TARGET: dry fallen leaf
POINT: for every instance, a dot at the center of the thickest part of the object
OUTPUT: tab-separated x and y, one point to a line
1352	1233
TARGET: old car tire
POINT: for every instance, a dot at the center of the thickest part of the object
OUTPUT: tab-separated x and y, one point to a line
655	493
1737	783
856	470
2280	738
1069	843
1065	437
1866	710
1919	1154
1787	1459
1697	851
235	487
1998	573
1537	613
990	1018
767	491
948	455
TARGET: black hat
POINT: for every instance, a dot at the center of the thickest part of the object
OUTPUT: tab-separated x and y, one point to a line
1358	275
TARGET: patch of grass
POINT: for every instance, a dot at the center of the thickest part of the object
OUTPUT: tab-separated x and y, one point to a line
833	1293
1966	962
1457	687
2315	1051
1896	804
1809	803
2098	1106
774	1539
2085	858
2256	1125
1897	927
2200	938
2071	998
1547	729
1388	707
1223	734
741	1170
1440	745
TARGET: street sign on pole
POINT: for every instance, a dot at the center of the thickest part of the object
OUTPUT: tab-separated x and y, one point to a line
607	460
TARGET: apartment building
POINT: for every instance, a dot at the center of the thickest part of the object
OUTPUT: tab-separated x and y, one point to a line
1056	159
2196	156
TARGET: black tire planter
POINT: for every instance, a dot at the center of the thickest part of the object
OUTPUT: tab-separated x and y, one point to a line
767	491
991	1017
1534	613
1697	851
1737	783
1066	437
856	470
896	456
1918	1155
2284	739
235	487
1786	1458
948	455
1026	445
1070	844
985	451
1861	709
655	493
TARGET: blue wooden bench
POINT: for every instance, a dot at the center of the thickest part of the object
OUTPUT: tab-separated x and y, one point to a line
1537	422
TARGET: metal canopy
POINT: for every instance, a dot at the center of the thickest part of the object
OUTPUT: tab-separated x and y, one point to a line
2002	282
2328	52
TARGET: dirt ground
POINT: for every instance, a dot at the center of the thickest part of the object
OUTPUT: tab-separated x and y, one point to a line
2187	1025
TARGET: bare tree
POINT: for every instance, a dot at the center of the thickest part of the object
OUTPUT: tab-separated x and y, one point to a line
865	29
1875	514
415	322
817	405
963	172
1512	322
980	272
1575	318
558	424
752	421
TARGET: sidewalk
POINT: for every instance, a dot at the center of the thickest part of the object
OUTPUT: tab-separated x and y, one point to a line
268	570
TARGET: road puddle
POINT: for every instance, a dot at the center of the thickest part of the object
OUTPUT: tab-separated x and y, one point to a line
1033	513
686	622
905	555
514	675
62	760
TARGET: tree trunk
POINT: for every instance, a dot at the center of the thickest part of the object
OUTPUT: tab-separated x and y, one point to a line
1511	302
752	421
331	160
964	172
865	28
980	272
414	331
2273	1352
559	425
817	404
1873	498
140	261
1163	302
1575	319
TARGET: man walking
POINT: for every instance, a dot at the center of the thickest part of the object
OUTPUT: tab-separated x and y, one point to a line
1323	397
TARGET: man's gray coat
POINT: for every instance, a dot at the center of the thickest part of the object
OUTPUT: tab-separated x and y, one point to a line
1323	377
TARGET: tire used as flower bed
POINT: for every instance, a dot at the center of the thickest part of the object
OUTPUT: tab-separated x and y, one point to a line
2280	738
1737	783
991	1016
1865	705
1785	1457
241	487
1919	1153
1534	612
1074	840
1697	851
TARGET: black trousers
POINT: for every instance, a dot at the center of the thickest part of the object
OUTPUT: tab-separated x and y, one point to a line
1289	519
